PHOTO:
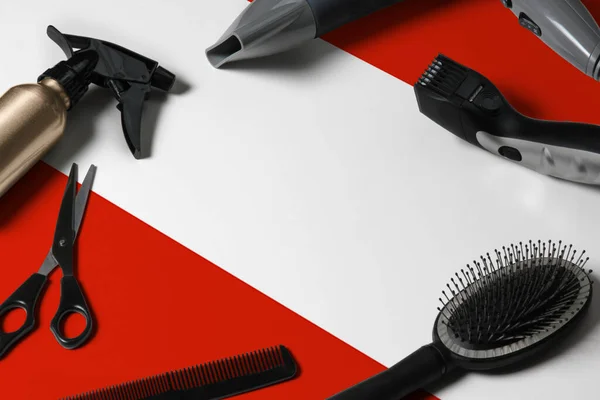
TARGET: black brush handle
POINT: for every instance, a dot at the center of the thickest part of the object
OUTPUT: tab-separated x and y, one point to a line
416	371
331	14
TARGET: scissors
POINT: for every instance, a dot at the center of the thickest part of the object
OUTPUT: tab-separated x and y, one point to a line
72	299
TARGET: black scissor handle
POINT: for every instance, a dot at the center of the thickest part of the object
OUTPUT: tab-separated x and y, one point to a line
25	298
71	301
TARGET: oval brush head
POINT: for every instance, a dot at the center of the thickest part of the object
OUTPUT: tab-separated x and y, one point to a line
512	300
501	310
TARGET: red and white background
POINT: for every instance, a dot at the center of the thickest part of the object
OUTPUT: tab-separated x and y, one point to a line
302	200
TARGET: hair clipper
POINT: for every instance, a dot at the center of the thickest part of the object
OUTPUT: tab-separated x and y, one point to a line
467	104
566	26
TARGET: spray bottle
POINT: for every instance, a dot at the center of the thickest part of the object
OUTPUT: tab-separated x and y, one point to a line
33	116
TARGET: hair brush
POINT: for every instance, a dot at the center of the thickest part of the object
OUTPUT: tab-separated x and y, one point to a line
499	311
214	380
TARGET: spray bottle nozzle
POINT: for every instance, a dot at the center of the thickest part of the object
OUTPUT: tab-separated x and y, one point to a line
130	76
74	75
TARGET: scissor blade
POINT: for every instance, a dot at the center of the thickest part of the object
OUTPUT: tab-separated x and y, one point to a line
64	236
80	205
48	265
82	197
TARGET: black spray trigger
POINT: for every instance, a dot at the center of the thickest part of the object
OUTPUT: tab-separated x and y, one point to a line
130	76
130	105
61	40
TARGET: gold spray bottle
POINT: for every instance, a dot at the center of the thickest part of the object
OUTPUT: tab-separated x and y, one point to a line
33	117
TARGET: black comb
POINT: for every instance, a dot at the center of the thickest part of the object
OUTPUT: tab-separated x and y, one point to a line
213	380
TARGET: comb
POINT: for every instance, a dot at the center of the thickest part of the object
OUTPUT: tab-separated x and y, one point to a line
213	380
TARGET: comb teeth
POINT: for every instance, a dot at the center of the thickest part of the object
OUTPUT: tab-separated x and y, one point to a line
140	389
244	372
443	76
229	368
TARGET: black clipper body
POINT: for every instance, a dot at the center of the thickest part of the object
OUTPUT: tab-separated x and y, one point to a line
467	104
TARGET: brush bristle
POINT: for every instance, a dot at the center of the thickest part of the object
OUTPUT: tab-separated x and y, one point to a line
443	76
515	293
199	376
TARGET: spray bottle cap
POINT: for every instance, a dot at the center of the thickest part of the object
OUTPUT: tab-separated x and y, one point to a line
74	75
130	77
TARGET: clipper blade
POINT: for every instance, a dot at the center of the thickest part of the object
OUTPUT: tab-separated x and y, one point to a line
437	90
443	76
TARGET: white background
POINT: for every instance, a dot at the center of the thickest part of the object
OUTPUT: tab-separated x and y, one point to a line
313	177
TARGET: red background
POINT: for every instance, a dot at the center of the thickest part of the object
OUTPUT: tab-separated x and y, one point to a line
159	306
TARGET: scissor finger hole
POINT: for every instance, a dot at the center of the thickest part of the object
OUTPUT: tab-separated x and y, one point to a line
13	319
72	325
